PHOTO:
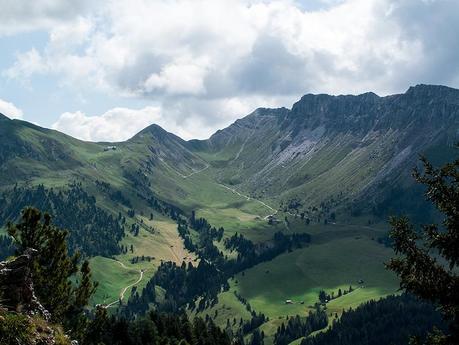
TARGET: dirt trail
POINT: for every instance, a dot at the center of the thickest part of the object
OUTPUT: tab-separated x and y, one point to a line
229	188
123	292
249	198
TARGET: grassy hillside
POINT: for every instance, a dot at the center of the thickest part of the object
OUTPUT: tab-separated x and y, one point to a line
332	167
338	257
330	266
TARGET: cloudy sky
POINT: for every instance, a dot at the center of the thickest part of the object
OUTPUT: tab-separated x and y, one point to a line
103	70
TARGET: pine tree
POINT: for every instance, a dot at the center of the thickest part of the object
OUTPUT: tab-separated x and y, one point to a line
53	269
417	264
256	338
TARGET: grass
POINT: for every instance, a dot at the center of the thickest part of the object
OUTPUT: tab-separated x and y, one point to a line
337	258
233	220
112	279
163	244
227	308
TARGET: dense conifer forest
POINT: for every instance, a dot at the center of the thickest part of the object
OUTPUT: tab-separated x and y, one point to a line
92	231
392	320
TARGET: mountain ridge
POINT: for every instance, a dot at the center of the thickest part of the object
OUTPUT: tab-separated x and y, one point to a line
332	167
423	90
360	140
322	149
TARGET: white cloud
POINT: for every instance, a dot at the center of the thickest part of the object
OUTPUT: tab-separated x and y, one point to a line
196	48
188	119
193	56
27	64
229	48
64	37
117	124
10	110
18	16
178	78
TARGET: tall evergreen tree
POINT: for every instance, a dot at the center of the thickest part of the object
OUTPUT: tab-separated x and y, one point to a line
427	261
53	270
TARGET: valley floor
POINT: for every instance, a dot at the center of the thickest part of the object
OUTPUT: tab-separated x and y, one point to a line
339	256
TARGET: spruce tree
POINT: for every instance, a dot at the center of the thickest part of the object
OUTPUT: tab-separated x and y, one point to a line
53	270
427	261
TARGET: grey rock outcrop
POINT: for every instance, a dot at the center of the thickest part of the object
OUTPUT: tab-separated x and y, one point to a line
16	286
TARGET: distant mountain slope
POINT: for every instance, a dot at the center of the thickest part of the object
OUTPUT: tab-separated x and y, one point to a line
336	149
27	150
32	154
329	151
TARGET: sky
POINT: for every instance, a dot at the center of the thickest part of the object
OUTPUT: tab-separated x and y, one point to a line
104	70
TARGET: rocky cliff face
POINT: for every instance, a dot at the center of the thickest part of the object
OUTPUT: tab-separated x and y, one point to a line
333	150
16	286
337	149
23	320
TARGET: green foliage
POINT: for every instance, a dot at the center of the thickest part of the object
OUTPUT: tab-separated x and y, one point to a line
186	284
154	329
14	329
257	338
92	230
419	266
53	271
392	320
297	327
19	329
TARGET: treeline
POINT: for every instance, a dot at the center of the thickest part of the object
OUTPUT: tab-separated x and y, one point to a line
186	285
139	304
397	200
391	320
64	288
115	195
204	247
325	297
323	213
142	186
154	329
257	319
250	254
207	234
298	327
92	230
201	225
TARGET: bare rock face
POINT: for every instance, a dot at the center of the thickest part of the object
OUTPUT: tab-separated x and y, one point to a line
16	286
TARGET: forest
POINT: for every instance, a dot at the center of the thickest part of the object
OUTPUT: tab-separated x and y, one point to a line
92	231
392	320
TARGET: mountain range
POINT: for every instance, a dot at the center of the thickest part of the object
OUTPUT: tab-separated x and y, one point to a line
343	151
281	211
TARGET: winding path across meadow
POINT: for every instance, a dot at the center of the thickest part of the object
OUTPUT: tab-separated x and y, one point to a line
249	198
226	187
123	292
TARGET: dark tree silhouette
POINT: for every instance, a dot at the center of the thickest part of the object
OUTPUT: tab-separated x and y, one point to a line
418	265
55	275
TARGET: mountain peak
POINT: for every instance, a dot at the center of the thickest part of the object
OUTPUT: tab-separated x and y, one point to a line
157	132
431	90
269	112
153	128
